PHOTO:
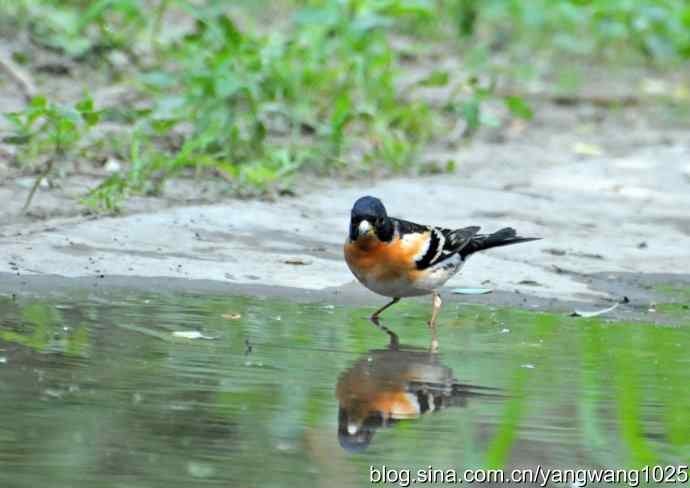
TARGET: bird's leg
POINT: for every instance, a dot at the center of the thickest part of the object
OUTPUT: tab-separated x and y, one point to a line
394	342
375	316
436	302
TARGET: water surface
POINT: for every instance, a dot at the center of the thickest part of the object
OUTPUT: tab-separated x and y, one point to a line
99	391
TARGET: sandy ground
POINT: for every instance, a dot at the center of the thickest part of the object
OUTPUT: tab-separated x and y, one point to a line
607	190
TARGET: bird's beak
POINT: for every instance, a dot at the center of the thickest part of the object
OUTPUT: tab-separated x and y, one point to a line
365	229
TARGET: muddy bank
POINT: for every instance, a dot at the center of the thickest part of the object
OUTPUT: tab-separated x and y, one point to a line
607	191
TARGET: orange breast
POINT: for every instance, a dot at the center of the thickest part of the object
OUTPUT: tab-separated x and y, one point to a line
371	259
396	405
362	391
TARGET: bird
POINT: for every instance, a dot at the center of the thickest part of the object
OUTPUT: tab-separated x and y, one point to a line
397	258
387	386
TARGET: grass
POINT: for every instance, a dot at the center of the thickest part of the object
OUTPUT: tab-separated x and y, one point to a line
224	90
656	31
50	131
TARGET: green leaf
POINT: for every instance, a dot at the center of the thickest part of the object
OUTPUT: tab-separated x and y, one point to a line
39	102
15	118
230	32
85	105
470	112
399	8
228	85
66	125
369	22
95	11
161	126
436	78
324	16
518	107
341	113
91	118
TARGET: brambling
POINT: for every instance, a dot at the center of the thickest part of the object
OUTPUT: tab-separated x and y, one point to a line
387	386
397	258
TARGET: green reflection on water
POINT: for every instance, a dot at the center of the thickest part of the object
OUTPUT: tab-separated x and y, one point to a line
97	391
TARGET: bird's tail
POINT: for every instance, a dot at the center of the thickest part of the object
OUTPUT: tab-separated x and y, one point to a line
503	237
460	393
433	396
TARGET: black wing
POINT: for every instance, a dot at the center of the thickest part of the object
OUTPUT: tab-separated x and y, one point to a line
457	239
443	243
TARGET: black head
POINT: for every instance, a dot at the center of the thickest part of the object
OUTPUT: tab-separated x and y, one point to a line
370	210
353	437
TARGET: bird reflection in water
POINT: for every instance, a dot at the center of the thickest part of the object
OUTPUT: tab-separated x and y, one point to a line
399	383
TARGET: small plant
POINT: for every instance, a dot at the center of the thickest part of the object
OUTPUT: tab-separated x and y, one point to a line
49	131
255	108
655	30
81	28
321	93
328	88
328	80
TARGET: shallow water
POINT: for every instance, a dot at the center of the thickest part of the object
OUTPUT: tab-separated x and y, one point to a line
97	390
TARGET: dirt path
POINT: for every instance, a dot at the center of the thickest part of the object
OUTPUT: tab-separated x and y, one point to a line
608	191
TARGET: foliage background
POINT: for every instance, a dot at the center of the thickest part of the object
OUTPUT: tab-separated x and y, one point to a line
256	92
